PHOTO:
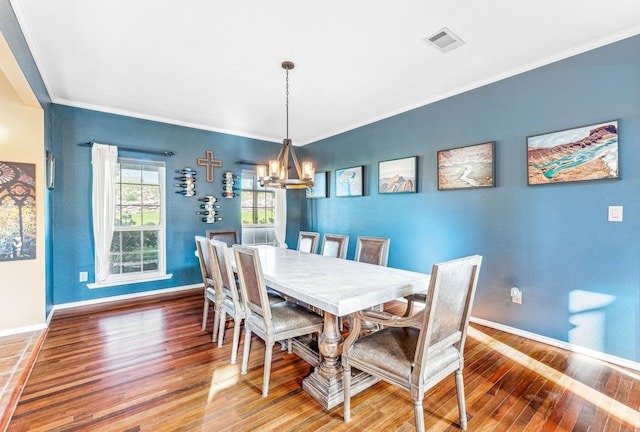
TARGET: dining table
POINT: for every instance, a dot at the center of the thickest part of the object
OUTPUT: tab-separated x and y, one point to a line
337	287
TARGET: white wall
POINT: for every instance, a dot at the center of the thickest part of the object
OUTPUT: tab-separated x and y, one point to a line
22	283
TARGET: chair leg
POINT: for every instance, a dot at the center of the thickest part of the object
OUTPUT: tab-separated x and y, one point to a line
223	321
461	404
247	349
236	341
346	384
419	414
216	322
290	346
205	313
268	352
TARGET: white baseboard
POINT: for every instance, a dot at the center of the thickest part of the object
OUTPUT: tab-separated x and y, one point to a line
121	297
560	344
35	327
26	329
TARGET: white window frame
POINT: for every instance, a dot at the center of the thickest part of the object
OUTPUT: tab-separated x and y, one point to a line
255	233
148	276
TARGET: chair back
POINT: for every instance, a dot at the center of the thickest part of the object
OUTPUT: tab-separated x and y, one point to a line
220	252
448	308
202	244
230	237
308	241
253	289
334	245
372	250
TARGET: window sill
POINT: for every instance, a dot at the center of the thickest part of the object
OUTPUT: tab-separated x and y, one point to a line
129	281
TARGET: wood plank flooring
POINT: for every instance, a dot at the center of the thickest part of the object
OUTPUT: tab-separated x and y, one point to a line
17	356
147	366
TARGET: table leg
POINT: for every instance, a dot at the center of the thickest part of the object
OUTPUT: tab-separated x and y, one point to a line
330	346
325	382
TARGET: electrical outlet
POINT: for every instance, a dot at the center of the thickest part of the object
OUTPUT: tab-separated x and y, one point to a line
84	276
516	295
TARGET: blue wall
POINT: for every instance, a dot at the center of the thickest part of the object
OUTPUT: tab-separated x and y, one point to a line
73	241
551	241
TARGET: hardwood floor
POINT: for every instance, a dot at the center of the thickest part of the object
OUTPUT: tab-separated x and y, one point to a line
17	356
149	367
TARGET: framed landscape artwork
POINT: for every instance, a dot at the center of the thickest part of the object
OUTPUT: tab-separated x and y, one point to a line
578	154
467	167
319	189
397	176
349	182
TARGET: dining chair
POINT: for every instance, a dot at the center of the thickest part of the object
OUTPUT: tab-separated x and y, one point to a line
230	237
269	322
334	245
224	277
308	241
372	250
417	352
210	292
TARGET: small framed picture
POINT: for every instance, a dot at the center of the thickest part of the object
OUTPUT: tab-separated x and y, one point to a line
467	167
319	189
572	155
349	182
397	176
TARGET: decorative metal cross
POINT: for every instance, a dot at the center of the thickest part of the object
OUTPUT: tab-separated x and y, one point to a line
210	163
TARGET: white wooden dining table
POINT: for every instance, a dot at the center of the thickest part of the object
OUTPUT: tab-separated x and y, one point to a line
338	287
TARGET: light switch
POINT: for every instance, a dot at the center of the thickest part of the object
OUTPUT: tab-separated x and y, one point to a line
615	213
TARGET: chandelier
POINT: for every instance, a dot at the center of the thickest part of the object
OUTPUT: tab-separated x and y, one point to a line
276	174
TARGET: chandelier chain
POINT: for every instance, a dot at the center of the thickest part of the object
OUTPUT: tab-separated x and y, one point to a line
287	84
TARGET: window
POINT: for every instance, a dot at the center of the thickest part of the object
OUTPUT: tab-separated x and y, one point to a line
257	211
138	246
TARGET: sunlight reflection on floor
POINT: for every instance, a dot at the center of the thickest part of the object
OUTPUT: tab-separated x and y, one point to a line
602	401
146	326
223	378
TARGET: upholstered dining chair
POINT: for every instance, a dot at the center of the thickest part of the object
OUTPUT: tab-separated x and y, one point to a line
308	241
334	245
417	358
230	236
269	322
210	291
372	250
224	278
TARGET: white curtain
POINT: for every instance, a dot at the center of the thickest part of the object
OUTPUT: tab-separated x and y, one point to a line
104	159
281	217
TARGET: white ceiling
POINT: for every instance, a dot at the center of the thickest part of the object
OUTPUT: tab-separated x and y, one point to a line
215	65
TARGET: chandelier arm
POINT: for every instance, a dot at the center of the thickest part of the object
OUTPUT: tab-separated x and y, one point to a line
296	163
285	160
280	154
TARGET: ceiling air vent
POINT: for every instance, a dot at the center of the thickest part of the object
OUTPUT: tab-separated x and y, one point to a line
444	40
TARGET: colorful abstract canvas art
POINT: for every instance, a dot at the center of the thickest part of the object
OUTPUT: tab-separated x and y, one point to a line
17	211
